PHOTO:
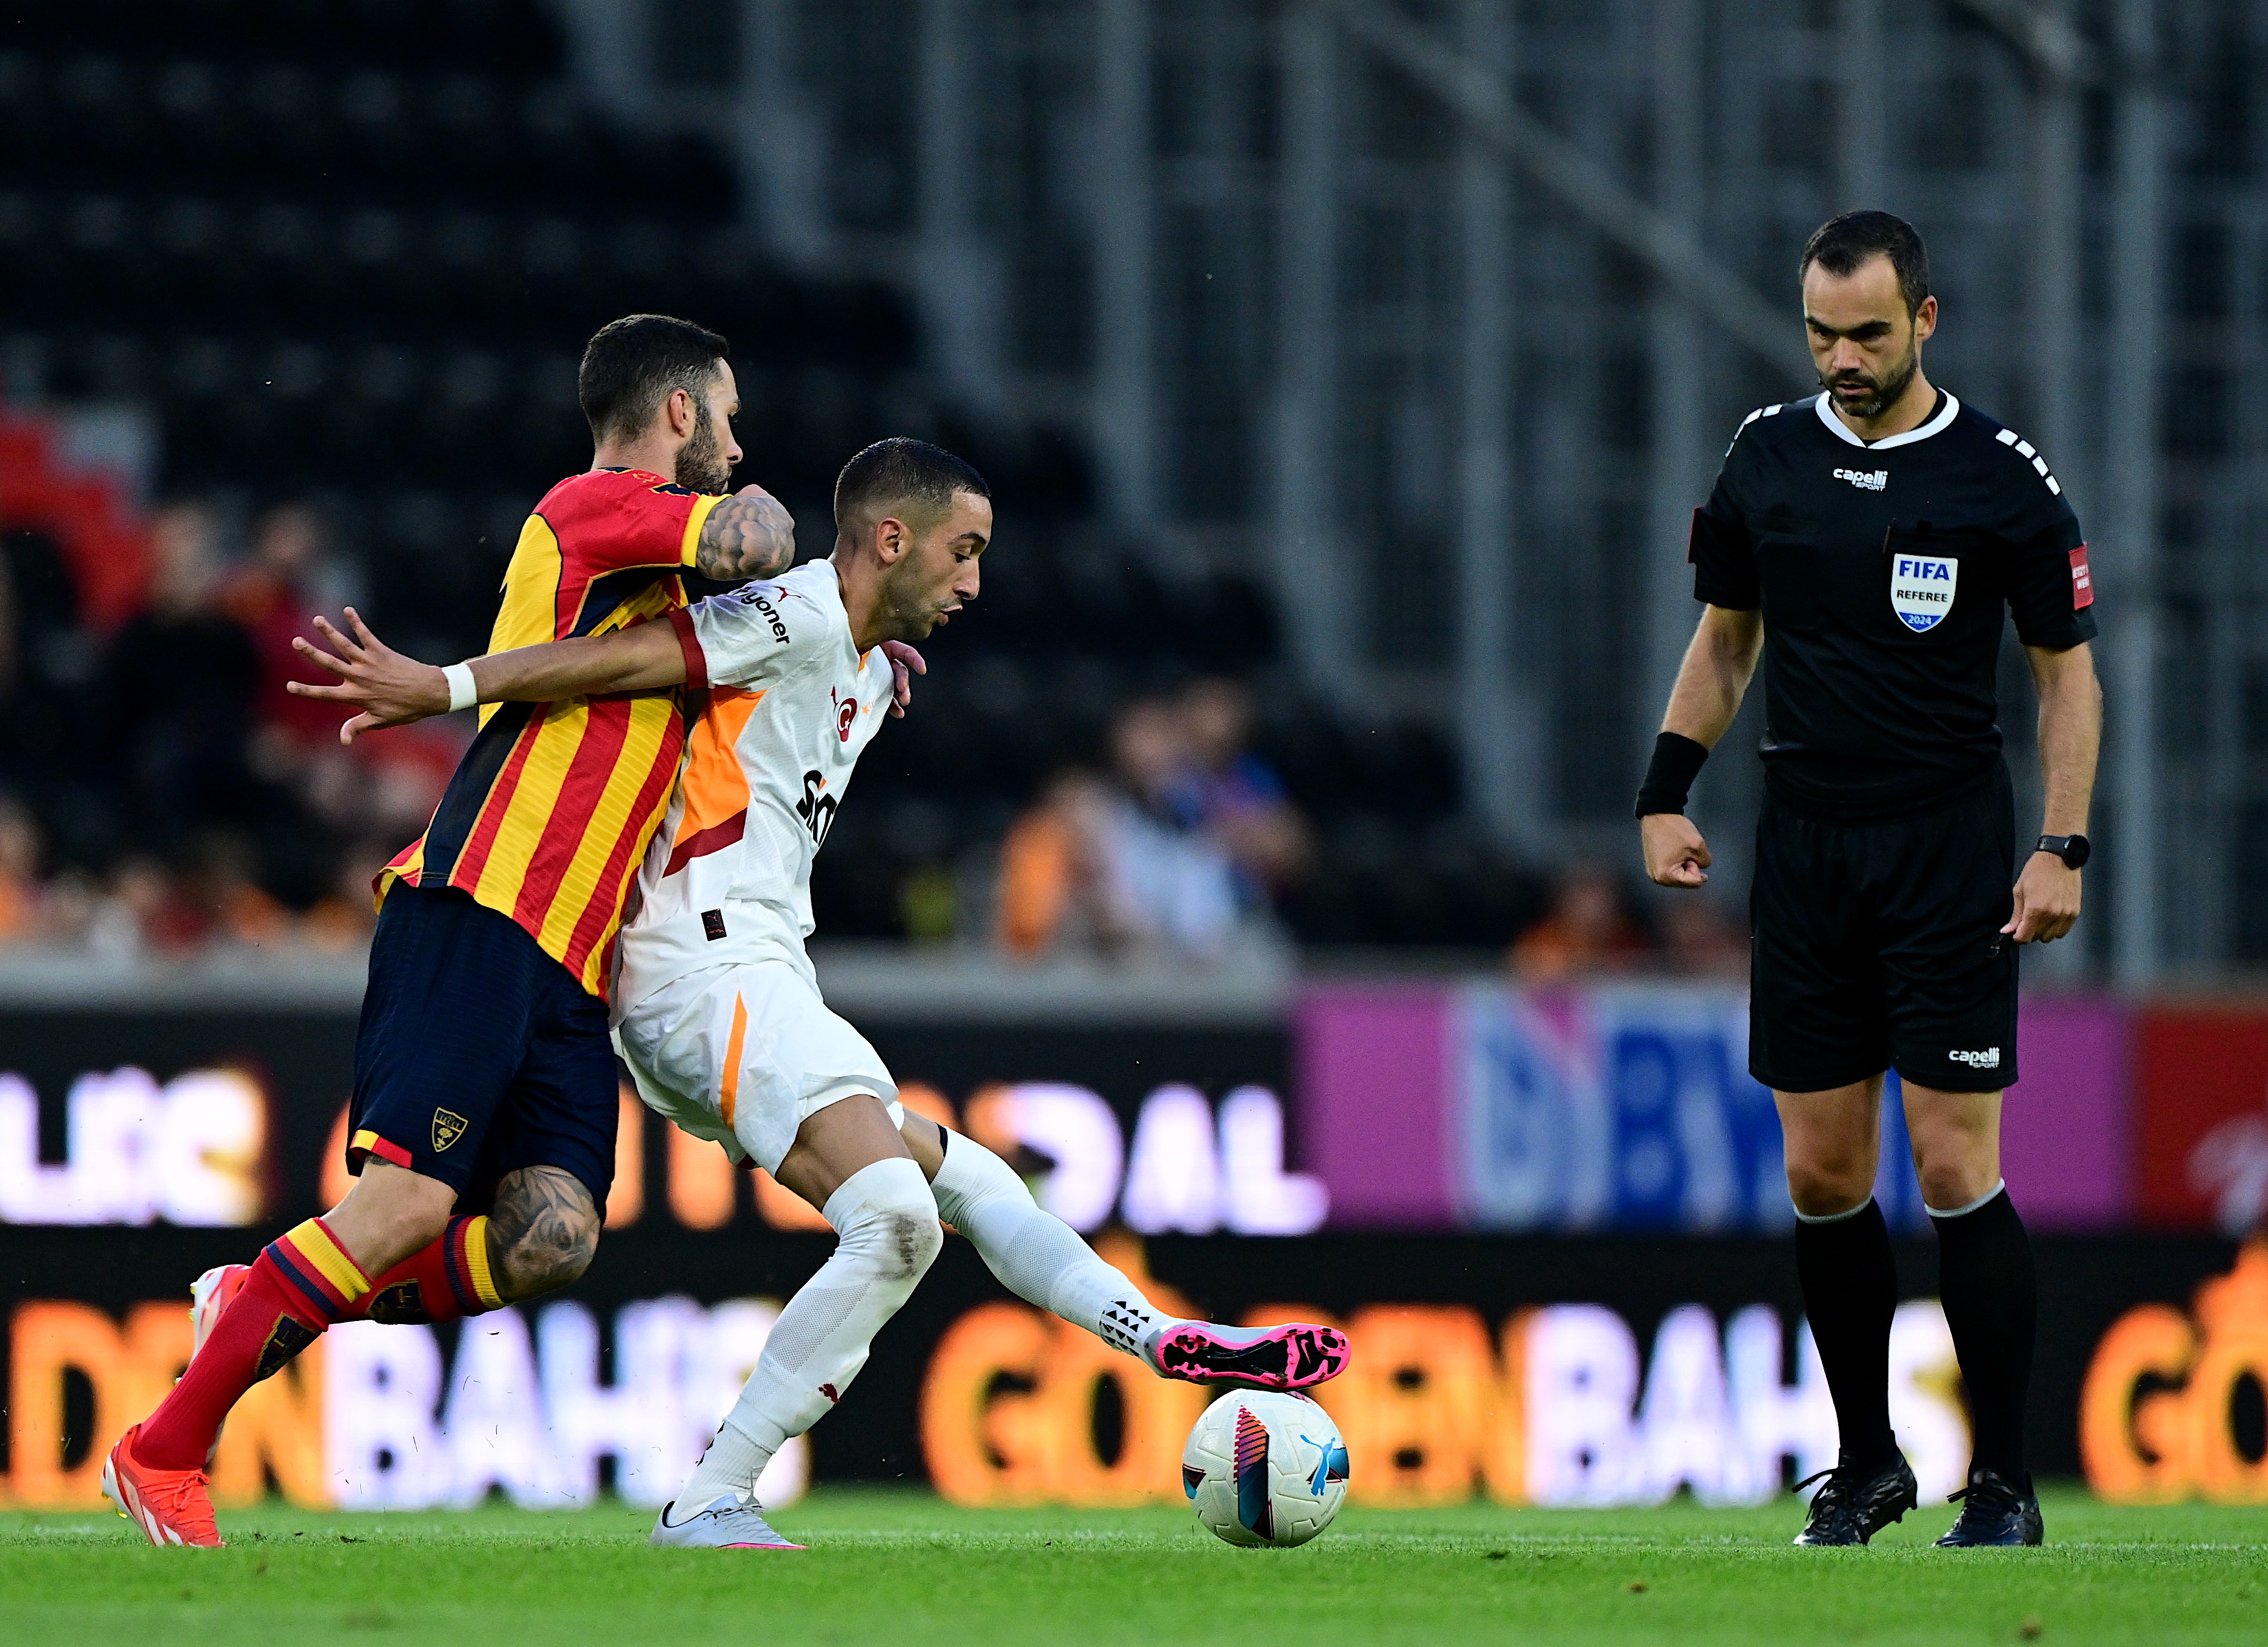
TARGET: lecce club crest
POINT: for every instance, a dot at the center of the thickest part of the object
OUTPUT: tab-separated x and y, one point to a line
449	1127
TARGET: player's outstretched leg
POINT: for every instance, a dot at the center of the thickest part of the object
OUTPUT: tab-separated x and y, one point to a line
302	1283
1042	1260
888	1233
541	1237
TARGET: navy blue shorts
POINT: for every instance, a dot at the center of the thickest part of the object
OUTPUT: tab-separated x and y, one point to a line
478	1054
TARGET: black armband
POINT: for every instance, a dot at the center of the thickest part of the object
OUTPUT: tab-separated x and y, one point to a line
1670	776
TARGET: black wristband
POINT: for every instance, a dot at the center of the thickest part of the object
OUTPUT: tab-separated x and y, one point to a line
1670	776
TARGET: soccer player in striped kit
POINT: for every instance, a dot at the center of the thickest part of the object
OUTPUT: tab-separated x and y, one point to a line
485	1102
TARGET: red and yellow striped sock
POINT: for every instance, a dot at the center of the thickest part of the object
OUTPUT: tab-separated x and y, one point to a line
440	1283
302	1283
311	1260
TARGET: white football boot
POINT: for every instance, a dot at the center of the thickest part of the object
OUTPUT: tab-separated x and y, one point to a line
731	1523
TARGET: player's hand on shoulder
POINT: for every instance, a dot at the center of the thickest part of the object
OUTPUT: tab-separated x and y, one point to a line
750	534
389	689
905	664
1675	853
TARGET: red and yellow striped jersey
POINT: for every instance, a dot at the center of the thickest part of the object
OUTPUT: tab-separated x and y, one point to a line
548	814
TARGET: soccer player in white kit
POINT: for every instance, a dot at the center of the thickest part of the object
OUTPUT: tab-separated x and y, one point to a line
719	1012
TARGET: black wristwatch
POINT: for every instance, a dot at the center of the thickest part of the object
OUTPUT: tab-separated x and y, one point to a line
2072	848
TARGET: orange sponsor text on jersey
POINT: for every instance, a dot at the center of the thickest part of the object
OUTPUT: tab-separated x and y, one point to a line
550	810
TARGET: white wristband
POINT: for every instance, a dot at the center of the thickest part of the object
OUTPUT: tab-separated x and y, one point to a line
462	693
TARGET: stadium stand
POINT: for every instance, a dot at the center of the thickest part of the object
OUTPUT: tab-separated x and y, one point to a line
347	254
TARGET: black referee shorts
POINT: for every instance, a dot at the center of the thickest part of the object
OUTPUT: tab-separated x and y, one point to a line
1878	946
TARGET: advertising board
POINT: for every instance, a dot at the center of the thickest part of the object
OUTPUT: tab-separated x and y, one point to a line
2201	1078
1629	1106
1626	1326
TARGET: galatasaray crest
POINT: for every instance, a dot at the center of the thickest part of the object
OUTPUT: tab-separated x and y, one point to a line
1921	589
449	1127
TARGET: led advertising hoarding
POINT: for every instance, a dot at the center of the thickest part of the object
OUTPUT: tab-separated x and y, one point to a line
1630	1330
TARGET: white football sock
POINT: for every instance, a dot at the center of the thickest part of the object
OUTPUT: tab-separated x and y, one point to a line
1035	1254
887	1222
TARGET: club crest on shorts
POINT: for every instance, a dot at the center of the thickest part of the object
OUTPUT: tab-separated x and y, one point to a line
1921	589
449	1127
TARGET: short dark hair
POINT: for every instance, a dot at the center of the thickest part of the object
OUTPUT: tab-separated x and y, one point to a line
900	470
1840	245
631	366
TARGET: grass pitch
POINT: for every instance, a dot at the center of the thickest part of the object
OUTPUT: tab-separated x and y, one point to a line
901	1568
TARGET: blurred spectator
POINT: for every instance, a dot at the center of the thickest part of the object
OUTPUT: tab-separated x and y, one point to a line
1231	794
1049	877
347	914
23	900
1696	938
213	899
121	922
270	598
182	679
47	663
1116	865
1587	931
1162	881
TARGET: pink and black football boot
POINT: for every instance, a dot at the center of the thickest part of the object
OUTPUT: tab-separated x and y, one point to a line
1296	1355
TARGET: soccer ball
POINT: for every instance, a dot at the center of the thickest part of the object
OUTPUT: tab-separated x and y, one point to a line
1264	1467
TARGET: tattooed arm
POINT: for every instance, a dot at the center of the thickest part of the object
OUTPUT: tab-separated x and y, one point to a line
748	535
541	1233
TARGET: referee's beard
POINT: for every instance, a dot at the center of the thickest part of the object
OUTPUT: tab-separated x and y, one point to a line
1884	392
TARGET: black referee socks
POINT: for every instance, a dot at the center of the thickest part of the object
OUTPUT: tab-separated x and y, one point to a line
1991	1295
1850	1292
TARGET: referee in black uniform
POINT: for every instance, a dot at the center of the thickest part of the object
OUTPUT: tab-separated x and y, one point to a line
1866	542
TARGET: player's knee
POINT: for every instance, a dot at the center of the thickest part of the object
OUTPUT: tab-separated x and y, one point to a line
885	1212
1820	1189
911	1243
539	1262
543	1231
1953	1179
391	1212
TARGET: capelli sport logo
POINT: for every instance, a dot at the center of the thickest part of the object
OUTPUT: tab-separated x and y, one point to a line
1988	1059
1865	480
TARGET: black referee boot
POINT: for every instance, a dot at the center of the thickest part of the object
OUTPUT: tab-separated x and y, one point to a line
1851	1505
1994	1511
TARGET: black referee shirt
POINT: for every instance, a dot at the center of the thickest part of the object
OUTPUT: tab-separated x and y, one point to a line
1882	571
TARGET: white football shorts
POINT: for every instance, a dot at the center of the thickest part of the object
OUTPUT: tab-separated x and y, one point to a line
742	1053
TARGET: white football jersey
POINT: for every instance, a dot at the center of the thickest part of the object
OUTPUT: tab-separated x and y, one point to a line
791	704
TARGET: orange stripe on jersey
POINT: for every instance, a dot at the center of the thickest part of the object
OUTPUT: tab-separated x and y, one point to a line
714	785
731	1093
551	809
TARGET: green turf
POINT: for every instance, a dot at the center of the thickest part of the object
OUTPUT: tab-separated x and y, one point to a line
902	1569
